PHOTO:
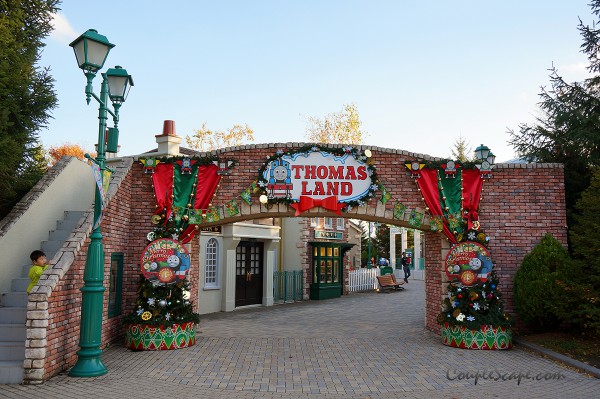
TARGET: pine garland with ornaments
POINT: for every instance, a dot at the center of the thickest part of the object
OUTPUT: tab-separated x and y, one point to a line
162	305
474	306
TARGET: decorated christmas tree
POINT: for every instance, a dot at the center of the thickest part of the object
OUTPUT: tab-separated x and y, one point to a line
163	291
164	305
472	314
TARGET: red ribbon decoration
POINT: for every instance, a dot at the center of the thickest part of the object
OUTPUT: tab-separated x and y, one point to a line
329	203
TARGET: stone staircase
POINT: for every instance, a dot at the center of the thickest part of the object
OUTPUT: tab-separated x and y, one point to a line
13	305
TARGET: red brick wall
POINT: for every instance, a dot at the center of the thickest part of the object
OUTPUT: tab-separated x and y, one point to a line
519	204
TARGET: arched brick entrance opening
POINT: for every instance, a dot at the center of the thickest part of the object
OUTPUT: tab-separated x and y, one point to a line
520	203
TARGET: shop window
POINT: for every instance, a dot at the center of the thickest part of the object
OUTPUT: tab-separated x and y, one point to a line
314	222
340	224
329	223
115	284
211	265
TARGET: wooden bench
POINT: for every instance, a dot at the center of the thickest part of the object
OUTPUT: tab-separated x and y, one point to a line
388	282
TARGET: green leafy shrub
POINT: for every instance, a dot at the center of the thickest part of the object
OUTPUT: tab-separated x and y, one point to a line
536	292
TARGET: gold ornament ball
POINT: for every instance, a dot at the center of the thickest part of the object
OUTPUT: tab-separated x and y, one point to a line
185	217
189	205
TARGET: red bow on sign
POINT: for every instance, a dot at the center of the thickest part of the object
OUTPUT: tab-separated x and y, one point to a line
330	203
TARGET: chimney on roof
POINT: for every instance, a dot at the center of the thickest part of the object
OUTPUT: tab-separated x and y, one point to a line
168	142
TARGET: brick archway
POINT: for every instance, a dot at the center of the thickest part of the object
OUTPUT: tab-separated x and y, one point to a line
519	205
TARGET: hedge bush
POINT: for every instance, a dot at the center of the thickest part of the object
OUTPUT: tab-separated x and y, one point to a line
536	293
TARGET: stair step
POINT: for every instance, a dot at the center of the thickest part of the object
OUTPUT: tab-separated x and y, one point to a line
70	220
25	270
12	350
14	299
13	315
13	332
19	284
60	235
50	248
11	372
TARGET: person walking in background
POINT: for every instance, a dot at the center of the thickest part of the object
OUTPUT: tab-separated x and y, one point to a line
39	265
405	267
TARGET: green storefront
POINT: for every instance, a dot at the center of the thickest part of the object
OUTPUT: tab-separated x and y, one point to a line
327	269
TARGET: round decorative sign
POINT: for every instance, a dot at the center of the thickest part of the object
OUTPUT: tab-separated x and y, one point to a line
165	261
468	262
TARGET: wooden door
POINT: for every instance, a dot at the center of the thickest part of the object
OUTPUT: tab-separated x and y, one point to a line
249	273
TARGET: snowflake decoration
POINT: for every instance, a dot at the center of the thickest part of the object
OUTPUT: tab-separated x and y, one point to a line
369	172
363	158
175	236
483	294
471	236
348	208
262	183
454	304
151	301
347	149
361	203
460	317
140	311
449	294
374	187
476	306
279	152
314	149
168	316
470	318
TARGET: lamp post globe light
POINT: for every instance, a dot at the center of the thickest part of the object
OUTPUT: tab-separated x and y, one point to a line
487	160
91	50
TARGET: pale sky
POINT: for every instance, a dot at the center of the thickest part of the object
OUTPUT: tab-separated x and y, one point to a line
422	73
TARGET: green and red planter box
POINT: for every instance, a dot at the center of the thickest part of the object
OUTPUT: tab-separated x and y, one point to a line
154	338
486	338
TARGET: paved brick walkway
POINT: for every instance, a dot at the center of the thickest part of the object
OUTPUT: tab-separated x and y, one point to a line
359	346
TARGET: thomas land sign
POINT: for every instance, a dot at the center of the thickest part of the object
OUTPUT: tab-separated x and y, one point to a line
318	178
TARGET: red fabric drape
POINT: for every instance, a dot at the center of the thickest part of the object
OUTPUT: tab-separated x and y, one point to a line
207	183
472	184
428	184
162	178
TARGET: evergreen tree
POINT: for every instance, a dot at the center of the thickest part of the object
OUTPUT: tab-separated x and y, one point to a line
382	241
26	95
462	150
583	283
163	305
568	130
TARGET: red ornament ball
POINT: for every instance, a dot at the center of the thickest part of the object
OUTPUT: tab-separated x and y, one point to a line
459	296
